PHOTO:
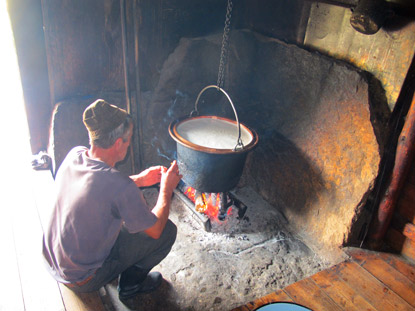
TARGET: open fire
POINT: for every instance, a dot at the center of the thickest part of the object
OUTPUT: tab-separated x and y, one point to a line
210	207
209	204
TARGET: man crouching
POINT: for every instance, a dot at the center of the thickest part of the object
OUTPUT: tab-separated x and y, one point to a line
101	227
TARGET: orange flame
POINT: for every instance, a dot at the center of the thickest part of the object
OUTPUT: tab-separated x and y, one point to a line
204	203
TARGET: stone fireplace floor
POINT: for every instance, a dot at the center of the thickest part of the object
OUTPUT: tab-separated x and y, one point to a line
238	261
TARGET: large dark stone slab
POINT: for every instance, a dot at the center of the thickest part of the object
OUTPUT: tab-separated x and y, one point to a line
318	154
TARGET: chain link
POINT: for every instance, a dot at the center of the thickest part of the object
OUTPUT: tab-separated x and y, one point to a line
225	43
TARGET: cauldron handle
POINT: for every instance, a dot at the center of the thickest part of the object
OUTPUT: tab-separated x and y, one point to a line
239	144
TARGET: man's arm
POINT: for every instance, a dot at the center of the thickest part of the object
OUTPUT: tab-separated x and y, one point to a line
168	183
149	177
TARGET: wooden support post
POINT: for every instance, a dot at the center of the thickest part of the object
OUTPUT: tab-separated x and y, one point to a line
404	157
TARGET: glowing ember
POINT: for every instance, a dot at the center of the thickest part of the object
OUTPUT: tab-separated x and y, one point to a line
200	203
204	203
190	193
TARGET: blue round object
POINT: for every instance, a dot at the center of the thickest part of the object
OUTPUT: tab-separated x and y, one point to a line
282	306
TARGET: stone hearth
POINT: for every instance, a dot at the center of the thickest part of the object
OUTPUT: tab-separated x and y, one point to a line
321	133
238	261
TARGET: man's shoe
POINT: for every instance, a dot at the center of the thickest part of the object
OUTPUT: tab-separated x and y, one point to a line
134	281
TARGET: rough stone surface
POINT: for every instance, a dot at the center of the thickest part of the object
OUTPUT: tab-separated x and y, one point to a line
238	261
318	155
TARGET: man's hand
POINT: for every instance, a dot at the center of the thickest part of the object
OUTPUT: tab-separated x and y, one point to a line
170	178
149	177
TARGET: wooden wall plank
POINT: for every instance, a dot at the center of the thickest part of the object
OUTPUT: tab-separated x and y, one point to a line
375	292
340	292
307	293
27	24
84	55
329	31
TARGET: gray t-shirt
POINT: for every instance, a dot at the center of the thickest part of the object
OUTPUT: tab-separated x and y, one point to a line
93	202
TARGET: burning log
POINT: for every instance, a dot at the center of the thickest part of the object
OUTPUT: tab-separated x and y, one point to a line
210	206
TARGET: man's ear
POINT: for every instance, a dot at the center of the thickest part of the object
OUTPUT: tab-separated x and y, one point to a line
118	143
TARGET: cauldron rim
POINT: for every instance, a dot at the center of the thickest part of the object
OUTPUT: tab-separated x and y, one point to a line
179	139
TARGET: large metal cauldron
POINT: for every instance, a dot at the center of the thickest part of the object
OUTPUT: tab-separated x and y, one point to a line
211	150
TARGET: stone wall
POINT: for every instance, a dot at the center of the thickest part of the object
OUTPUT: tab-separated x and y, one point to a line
318	154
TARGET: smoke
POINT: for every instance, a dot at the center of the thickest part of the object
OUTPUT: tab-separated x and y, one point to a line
180	97
167	155
170	158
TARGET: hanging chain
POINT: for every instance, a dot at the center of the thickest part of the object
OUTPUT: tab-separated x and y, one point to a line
225	43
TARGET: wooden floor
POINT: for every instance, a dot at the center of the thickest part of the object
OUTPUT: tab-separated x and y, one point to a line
26	284
369	281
